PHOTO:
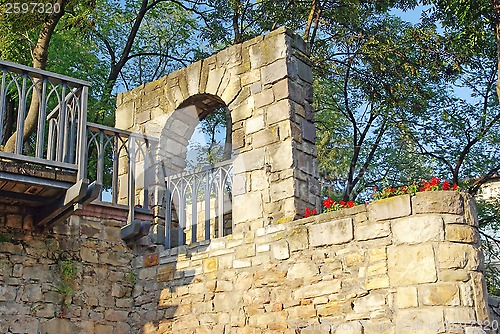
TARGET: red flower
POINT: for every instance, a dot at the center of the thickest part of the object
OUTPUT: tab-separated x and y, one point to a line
342	203
350	204
435	181
455	186
327	203
446	185
309	212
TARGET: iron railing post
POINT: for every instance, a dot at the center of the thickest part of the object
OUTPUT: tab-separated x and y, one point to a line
82	135
131	179
20	119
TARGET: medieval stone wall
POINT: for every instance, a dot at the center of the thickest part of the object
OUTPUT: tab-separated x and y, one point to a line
400	265
75	278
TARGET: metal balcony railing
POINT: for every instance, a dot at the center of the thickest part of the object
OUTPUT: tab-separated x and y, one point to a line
122	161
59	106
199	204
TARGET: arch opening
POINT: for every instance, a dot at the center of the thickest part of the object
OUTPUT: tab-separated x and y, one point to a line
198	166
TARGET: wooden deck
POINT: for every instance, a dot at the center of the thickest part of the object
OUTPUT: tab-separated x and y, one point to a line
32	185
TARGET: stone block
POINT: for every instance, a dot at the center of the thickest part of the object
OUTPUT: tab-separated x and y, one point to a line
266	137
438	202
377	282
150	260
280	250
406	297
389	208
419	321
418	229
458	256
442	294
372	302
280	89
263	98
57	325
278	112
249	161
298	239
308	131
239	184
281	155
247	207
377	254
7	293
262	54
331	233
254	124
480	297
454	275
367	231
274	72
459	315
303	70
193	75
409	265
232	89
354	258
318	289
376	269
302	270
125	116
282	189
165	273
462	233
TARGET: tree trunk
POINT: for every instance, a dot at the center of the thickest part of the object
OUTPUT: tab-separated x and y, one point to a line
496	9
238	37
8	120
39	54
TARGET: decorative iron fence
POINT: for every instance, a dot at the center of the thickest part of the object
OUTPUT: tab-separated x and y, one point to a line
199	204
42	117
122	161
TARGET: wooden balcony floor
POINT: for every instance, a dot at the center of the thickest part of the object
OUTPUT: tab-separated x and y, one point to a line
32	185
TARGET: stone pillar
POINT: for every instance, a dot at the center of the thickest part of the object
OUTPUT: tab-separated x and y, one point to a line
273	133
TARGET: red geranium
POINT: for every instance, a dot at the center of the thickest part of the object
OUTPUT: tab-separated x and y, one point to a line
309	212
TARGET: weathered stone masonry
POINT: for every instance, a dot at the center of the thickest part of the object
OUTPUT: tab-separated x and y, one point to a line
97	297
388	267
400	265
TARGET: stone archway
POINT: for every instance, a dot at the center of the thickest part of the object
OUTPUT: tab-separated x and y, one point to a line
266	83
179	128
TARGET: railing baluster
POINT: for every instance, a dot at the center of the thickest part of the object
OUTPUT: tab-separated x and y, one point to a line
40	134
194	211
168	218
145	175
3	93
220	203
100	161
20	118
116	158
182	213
207	205
131	179
61	125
